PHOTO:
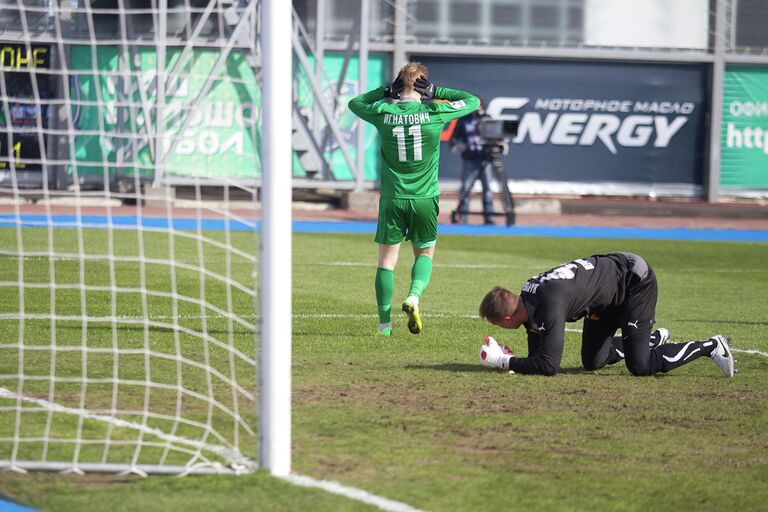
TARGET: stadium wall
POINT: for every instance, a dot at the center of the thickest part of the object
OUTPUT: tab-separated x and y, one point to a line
668	141
664	36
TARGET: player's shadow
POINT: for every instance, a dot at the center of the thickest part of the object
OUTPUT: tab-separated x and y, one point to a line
448	367
462	367
572	370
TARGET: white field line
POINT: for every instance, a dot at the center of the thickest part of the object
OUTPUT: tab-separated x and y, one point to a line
135	318
110	318
438	265
372	264
16	316
750	351
535	267
226	453
350	492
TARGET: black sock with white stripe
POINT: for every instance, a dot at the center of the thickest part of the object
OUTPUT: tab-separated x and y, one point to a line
678	354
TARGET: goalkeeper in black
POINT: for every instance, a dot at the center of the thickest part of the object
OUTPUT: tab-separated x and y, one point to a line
611	292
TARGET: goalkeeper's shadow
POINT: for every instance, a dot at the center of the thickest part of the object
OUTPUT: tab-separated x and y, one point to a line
448	367
463	367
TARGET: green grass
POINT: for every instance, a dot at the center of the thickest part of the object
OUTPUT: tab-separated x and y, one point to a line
416	418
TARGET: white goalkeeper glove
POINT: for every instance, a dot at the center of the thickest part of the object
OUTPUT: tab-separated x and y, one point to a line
494	355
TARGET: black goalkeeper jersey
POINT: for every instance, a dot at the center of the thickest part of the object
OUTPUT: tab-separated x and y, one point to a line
584	287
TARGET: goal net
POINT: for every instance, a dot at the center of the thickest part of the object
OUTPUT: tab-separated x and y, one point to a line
128	245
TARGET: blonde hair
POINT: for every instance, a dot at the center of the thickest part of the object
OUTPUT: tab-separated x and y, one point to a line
497	304
410	72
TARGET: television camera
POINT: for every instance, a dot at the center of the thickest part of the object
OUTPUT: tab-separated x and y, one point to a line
496	133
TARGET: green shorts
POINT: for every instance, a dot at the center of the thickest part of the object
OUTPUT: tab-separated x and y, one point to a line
408	219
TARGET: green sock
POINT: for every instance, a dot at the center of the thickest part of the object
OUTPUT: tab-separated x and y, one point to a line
385	287
420	274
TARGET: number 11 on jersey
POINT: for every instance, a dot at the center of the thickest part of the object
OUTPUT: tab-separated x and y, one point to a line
415	132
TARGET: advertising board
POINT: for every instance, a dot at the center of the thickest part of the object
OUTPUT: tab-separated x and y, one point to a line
744	149
589	122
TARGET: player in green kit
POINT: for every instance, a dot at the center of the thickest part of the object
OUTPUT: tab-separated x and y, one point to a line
409	123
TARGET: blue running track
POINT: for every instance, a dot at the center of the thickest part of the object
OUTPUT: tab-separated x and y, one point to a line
6	505
100	221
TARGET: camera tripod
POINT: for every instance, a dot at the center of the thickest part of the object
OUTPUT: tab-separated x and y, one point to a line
495	149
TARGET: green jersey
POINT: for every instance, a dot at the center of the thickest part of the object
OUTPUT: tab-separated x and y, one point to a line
410	137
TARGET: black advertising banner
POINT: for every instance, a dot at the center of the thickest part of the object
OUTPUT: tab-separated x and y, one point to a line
18	62
589	121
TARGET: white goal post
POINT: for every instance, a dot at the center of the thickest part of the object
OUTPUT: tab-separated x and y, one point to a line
276	237
134	270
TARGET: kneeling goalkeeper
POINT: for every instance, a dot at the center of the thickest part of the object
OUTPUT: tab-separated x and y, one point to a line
409	123
614	291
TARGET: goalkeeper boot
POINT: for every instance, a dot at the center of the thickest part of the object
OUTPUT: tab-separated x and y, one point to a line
411	308
659	337
722	355
494	355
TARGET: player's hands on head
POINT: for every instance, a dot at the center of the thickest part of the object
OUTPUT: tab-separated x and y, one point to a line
423	86
394	89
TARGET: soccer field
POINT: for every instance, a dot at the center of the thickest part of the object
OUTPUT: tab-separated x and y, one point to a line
417	419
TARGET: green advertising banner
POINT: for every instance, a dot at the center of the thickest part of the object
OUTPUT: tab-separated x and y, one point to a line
114	111
333	64
744	159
